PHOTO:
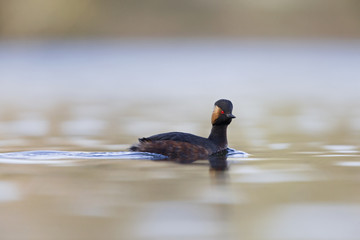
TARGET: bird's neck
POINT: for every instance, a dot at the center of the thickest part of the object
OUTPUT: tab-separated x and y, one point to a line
218	135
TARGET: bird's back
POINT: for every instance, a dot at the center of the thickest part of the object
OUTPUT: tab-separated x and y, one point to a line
177	145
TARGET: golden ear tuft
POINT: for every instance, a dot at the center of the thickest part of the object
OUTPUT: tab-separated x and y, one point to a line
216	113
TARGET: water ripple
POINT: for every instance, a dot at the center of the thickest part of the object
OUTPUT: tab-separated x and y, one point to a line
233	153
58	155
50	157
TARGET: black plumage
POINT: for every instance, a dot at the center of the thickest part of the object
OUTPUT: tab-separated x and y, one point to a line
186	147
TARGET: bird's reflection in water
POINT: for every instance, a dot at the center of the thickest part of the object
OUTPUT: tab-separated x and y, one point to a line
218	167
218	161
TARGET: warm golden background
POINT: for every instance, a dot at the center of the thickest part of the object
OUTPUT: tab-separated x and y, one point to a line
81	80
159	18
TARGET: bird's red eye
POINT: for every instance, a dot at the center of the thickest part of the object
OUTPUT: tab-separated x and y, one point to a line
222	112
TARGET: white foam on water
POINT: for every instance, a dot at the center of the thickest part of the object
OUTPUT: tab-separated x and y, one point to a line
233	153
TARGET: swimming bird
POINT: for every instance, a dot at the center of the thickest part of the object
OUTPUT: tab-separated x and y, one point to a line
186	147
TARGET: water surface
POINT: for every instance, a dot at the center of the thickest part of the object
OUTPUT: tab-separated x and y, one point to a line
70	110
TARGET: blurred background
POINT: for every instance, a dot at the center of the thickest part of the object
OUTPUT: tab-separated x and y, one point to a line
169	18
91	75
89	61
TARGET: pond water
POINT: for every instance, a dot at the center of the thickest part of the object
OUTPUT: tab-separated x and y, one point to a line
70	110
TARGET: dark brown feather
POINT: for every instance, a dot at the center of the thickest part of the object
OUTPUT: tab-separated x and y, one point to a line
174	150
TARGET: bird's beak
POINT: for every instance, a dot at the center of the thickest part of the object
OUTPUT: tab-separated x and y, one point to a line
229	115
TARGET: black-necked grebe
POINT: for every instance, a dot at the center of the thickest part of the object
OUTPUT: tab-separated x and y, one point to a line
179	146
